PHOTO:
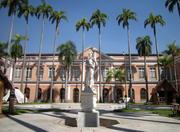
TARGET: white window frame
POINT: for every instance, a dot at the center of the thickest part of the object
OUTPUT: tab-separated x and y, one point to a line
28	72
41	73
141	73
17	73
62	73
50	70
152	72
76	73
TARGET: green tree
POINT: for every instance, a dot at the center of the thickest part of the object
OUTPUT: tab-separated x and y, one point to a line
165	62
99	19
3	53
16	52
67	54
13	6
174	51
117	75
124	19
152	20
56	17
3	49
25	10
144	48
44	11
84	25
170	4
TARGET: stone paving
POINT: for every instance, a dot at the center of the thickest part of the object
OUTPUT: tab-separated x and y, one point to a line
51	121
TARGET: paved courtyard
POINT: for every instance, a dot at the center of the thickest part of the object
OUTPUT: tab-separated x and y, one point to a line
52	121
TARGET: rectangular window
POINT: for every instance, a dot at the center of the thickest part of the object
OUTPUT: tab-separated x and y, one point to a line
104	73
141	73
28	72
62	73
41	73
128	74
51	70
152	73
17	73
76	72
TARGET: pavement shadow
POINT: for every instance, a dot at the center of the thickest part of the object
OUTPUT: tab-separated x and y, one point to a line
123	129
133	114
57	116
28	125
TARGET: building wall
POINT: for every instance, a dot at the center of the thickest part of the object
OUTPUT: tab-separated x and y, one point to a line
109	61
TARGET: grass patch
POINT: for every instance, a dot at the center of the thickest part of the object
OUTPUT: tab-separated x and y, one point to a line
18	111
162	112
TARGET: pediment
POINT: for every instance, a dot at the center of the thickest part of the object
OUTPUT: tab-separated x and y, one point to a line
92	49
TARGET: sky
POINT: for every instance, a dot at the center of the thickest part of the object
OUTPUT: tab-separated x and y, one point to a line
114	37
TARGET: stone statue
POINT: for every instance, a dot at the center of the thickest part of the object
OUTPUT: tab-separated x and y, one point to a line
91	64
88	116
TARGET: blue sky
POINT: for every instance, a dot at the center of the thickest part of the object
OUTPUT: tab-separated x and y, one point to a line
114	37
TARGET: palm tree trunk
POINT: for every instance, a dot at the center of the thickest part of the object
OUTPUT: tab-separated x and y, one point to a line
11	100
52	74
146	79
66	89
130	67
100	93
82	75
9	41
175	74
178	6
39	61
157	53
24	58
1	94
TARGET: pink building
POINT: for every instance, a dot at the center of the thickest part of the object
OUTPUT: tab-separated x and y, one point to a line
109	92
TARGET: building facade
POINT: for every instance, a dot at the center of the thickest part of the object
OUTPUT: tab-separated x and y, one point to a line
112	91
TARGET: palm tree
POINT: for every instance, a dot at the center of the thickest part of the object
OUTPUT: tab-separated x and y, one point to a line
144	48
13	6
67	54
152	20
124	19
56	17
170	4
165	62
84	25
99	19
25	10
117	75
3	53
16	52
174	51
43	10
3	48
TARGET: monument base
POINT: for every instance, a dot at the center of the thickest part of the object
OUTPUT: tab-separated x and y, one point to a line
88	119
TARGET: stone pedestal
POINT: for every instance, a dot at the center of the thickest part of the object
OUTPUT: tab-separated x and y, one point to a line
88	117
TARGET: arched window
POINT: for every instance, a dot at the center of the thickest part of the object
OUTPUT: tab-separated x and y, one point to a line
76	95
133	94
39	93
119	95
105	95
27	92
62	94
143	93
